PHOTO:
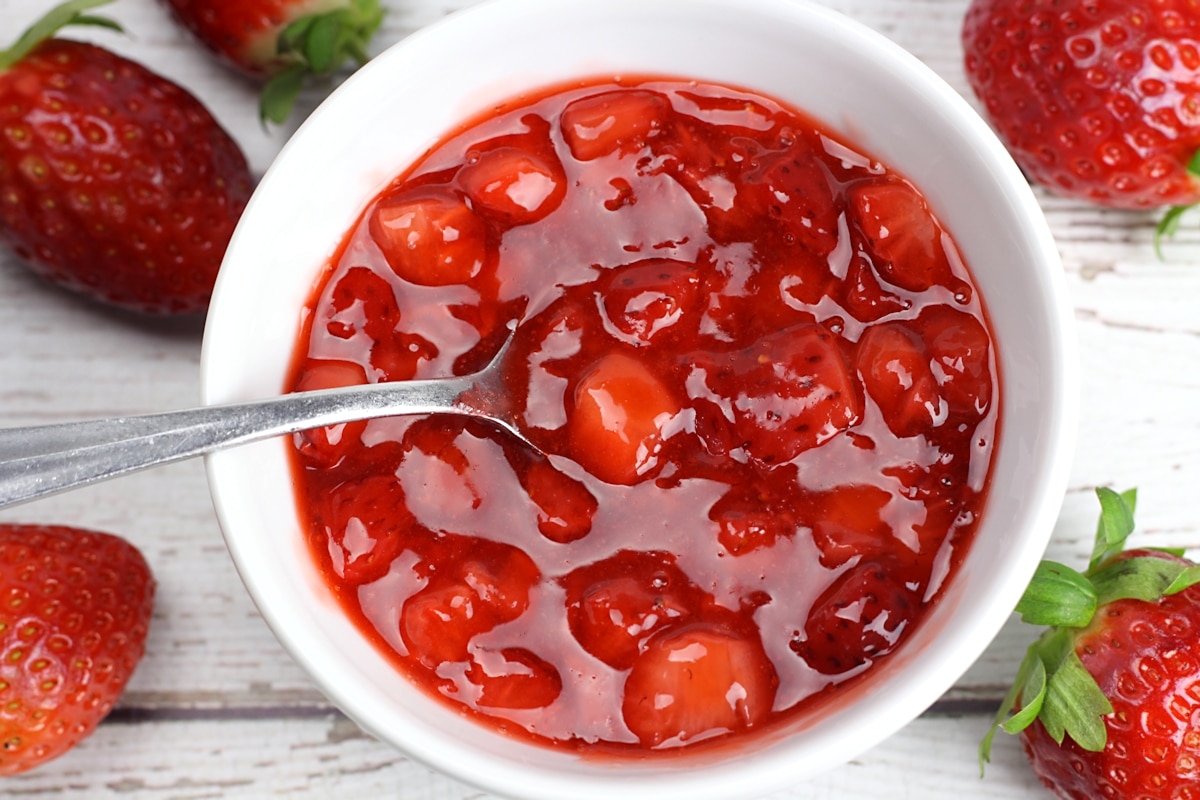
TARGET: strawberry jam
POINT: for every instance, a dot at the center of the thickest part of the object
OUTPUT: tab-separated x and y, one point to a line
760	380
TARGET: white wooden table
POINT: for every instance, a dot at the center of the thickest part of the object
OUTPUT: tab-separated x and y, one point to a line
217	709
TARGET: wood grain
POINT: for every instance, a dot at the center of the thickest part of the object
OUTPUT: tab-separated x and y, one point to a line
217	709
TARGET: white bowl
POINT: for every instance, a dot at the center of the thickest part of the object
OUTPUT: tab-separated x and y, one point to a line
857	83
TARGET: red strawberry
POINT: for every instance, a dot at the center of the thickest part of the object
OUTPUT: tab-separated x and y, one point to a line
365	527
1096	99
285	41
114	182
75	607
513	185
848	521
1108	700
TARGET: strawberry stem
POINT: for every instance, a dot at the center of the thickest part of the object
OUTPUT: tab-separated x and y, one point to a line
57	18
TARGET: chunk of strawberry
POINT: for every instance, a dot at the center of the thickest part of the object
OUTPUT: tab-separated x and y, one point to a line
643	299
513	677
318	374
513	185
429	236
859	618
848	522
609	122
865	298
792	190
487	588
895	370
749	297
362	315
326	446
565	506
900	234
360	302
788	392
959	349
366	525
616	604
619	419
698	682
749	518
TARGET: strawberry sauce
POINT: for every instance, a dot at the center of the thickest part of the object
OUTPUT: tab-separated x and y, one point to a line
760	377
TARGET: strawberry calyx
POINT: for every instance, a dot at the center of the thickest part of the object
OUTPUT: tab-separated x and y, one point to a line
317	45
1169	224
72	12
1052	685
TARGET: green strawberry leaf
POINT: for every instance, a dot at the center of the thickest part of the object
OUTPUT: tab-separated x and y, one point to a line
1168	226
1145	578
1116	523
318	45
57	18
1059	596
1029	689
1032	697
324	43
1190	576
280	92
1075	705
1073	702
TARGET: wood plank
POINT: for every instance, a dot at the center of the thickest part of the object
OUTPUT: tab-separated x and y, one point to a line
328	757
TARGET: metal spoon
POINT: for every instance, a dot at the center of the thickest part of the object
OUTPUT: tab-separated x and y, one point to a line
41	460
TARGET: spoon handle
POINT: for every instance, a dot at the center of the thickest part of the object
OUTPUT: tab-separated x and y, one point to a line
37	461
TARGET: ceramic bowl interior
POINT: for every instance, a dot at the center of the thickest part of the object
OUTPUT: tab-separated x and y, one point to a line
857	83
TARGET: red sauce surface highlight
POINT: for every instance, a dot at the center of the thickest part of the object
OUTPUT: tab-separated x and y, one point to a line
760	377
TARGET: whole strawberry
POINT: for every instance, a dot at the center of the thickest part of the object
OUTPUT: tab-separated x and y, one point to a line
75	608
1096	99
114	181
1107	701
284	41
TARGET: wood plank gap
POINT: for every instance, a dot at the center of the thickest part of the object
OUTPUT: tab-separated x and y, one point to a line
132	715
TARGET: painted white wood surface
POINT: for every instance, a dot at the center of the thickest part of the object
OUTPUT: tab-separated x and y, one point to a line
217	709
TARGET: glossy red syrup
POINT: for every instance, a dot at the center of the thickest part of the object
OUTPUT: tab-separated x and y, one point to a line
761	379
